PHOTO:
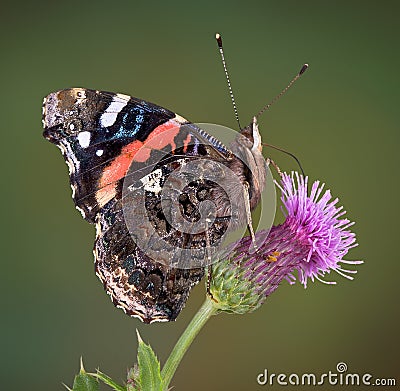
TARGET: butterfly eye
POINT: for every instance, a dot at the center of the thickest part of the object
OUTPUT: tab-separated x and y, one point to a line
73	126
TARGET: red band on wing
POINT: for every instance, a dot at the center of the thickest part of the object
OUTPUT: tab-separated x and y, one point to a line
138	151
186	142
120	165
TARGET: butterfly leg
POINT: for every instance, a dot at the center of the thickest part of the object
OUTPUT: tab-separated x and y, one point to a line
248	213
209	273
208	242
269	161
209	267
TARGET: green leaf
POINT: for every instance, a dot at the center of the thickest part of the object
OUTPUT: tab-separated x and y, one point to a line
149	378
84	381
107	380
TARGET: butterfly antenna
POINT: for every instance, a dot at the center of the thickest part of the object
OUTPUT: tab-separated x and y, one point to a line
288	153
266	107
221	51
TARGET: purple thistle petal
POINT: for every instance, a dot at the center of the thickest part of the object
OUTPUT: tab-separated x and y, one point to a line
312	241
320	233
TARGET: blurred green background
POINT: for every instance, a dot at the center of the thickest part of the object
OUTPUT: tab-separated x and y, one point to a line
341	120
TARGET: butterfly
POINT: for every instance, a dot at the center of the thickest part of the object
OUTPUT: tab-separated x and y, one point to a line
123	154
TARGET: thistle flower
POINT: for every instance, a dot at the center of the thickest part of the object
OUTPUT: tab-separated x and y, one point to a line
312	241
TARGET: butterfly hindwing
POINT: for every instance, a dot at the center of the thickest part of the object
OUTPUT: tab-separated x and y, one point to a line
149	290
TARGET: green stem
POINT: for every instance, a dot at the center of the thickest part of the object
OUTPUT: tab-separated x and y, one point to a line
198	321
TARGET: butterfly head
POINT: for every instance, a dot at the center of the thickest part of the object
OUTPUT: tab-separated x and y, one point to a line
248	147
252	133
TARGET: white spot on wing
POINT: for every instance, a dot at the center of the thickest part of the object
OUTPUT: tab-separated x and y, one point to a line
124	97
110	115
70	158
99	152
180	119
84	139
81	211
98	234
154	320
80	94
151	182
105	194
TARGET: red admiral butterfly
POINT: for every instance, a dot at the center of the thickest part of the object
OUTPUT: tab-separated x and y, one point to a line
121	153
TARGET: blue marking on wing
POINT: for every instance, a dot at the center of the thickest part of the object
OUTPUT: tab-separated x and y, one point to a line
196	146
132	122
139	122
